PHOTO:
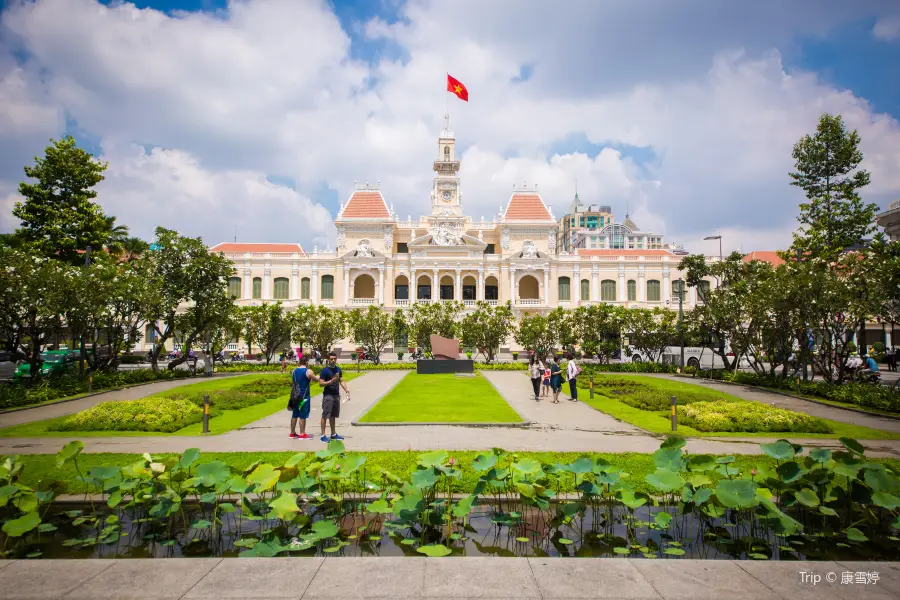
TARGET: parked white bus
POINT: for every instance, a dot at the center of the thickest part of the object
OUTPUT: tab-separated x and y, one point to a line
694	356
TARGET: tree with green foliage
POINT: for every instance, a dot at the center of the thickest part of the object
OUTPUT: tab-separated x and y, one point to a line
372	328
598	328
538	334
184	272
319	327
834	217
32	303
486	327
59	218
269	327
650	331
439	318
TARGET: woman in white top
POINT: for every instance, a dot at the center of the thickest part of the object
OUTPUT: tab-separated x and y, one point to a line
535	371
572	371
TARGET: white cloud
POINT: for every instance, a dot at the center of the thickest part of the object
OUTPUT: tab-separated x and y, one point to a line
270	88
887	28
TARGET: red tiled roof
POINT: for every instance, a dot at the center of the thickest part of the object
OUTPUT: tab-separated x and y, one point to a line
607	252
526	207
768	256
366	204
252	247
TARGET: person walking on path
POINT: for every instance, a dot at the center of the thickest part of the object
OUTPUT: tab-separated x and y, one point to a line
555	379
300	402
546	377
536	372
572	371
890	358
283	362
332	381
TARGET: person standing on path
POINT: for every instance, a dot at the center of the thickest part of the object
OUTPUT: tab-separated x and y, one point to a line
546	382
536	372
555	379
283	362
332	381
890	358
300	399
572	371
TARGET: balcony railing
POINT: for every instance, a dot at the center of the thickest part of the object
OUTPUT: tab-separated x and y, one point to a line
469	303
492	302
423	301
362	301
401	302
529	302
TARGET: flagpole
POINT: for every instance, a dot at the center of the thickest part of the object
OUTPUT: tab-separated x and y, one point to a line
447	101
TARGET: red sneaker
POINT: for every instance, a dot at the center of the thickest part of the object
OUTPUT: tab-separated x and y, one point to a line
304	437
294	436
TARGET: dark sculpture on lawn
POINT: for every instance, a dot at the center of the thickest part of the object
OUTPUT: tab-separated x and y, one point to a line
443	348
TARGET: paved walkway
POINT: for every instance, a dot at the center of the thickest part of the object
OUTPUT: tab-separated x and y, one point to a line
439	578
563	427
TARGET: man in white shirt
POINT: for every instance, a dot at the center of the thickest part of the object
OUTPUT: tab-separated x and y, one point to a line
572	371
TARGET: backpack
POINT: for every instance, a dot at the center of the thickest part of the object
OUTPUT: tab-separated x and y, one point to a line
298	397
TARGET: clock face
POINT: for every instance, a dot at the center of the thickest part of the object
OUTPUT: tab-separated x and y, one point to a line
447	195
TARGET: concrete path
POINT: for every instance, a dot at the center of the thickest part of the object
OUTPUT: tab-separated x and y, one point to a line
59	409
441	578
814	409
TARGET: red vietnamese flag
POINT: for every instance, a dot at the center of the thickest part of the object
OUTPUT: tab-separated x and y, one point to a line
455	87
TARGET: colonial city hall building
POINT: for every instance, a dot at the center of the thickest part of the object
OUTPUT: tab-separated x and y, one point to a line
445	255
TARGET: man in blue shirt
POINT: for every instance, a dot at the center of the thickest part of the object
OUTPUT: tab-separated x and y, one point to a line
870	363
302	377
332	381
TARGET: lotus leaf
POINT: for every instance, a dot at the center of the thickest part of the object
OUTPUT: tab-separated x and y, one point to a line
580	466
409	506
324	529
668	458
856	535
664	480
334	447
620	550
434	550
528	467
424	478
409	541
881	480
379	507
632	499
673	441
608	478
662	519
68	452
790	471
352	463
701	462
674	551
830	512
885	500
188	458
588	487
820	455
213	473
807	497
565	541
295	460
702	495
285	505
736	493
432	459
462	508
483	462
264	477
780	450
22	525
698	480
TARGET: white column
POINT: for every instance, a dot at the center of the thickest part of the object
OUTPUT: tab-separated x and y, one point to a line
413	286
435	286
576	282
623	285
381	284
667	288
479	291
295	283
248	284
693	296
595	283
314	284
641	286
546	296
267	283
346	286
457	289
513	292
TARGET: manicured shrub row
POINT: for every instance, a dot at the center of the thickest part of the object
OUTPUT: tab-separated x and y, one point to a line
25	393
724	415
148	414
641	367
861	394
249	394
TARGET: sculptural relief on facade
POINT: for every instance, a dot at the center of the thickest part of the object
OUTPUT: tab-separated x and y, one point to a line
341	239
446	234
529	250
364	250
504	239
388	239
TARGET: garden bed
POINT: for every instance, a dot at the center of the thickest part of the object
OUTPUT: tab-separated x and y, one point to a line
439	399
645	402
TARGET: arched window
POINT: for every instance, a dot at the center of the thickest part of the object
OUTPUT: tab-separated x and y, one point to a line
304	288
565	293
608	290
446	152
677	287
585	290
257	287
234	287
281	291
616	235
653	290
632	290
327	287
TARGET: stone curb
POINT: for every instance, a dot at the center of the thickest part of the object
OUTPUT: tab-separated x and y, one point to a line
786	395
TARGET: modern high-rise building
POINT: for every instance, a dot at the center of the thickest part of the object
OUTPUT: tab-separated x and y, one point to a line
593	227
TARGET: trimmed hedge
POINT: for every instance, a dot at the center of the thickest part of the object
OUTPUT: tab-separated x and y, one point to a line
249	394
55	388
743	415
148	414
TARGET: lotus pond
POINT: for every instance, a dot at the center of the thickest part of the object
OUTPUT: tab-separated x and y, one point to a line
827	505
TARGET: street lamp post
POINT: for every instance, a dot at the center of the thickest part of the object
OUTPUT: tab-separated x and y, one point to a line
716	237
680	293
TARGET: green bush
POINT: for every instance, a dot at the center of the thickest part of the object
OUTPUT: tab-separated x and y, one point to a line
249	394
148	414
747	416
656	400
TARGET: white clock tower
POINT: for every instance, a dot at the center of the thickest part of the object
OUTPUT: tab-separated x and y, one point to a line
445	197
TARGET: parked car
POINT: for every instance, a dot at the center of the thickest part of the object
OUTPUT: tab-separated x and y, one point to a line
56	362
8	356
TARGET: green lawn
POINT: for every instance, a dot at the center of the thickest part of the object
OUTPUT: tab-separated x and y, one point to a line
43	466
660	422
228	420
442	399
